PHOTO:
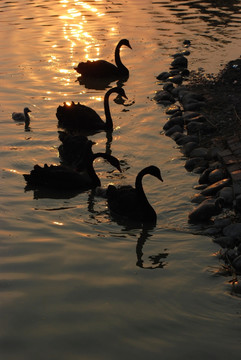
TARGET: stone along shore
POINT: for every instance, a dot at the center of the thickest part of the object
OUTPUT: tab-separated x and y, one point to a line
205	122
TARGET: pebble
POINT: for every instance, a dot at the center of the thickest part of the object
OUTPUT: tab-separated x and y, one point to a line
186	139
204	176
187	42
199	169
177	113
177	135
163	97
221	223
173	109
189	147
214	188
185	72
211	231
198	198
174	121
168	86
233	230
163	75
237	264
216	175
225	242
186	52
199	152
177	79
227	194
194	163
172	130
179	62
205	210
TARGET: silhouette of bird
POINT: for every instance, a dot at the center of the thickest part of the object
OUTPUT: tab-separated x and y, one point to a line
103	68
132	202
18	116
62	177
78	117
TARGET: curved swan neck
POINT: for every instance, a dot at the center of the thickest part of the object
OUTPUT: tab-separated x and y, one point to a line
91	171
118	61
90	167
109	122
139	187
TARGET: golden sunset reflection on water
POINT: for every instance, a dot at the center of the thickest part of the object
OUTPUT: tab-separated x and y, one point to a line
88	281
75	30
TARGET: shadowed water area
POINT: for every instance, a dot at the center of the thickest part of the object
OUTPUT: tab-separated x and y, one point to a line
75	282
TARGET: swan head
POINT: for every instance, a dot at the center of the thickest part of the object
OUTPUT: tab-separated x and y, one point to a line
114	162
26	110
154	171
125	42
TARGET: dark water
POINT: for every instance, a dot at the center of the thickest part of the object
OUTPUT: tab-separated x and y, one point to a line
74	283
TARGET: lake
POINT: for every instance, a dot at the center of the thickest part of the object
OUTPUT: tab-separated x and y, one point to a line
75	283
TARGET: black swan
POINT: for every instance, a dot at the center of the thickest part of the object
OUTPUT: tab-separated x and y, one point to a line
78	117
103	68
74	149
17	116
131	202
62	177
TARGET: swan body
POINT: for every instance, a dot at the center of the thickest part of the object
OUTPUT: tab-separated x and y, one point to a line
18	116
131	202
103	68
62	177
78	117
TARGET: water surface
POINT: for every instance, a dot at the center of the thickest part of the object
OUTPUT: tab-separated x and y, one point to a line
75	284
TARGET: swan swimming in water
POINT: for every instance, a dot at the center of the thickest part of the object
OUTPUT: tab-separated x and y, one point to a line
103	68
18	116
62	177
78	117
132	203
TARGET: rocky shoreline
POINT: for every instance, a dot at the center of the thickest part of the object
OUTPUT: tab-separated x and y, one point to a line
205	122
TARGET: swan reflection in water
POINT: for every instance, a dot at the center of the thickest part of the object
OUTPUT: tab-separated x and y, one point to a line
156	260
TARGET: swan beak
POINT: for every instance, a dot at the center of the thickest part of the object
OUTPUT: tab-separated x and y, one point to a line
129	47
160	178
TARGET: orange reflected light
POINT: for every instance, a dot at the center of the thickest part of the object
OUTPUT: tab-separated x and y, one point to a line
74	30
58	223
96	98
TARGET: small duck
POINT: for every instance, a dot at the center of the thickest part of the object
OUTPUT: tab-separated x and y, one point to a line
24	117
